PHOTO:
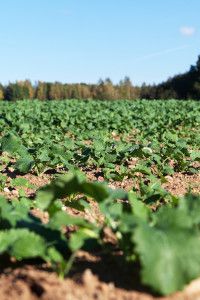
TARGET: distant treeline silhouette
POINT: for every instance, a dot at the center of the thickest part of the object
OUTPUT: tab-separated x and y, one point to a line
183	86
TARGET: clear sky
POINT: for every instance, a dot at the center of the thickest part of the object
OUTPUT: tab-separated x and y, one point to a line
84	40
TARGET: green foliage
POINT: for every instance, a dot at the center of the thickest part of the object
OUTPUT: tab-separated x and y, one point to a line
141	141
173	238
168	239
160	136
3	180
16	242
12	144
24	236
21	182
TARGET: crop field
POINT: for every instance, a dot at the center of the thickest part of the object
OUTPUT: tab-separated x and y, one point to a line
99	199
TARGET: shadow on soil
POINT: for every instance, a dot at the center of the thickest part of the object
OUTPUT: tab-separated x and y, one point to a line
111	269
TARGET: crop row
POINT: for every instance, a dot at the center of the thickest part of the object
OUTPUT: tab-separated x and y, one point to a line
145	141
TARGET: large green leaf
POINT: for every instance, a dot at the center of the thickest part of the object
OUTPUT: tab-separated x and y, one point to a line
168	251
12	144
21	243
24	165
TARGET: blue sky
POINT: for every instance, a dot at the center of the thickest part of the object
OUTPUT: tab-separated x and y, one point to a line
84	40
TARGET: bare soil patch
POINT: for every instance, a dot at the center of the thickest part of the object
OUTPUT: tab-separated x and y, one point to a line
179	184
31	283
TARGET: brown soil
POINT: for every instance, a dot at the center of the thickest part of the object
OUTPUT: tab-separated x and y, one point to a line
180	183
36	181
31	283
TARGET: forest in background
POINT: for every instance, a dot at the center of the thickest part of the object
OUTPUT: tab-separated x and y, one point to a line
183	86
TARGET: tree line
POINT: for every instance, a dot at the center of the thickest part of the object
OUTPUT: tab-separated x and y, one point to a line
183	86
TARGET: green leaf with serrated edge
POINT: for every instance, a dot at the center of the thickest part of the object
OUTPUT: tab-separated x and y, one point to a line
174	244
20	182
139	209
10	143
24	165
17	243
142	169
11	214
169	257
190	204
195	155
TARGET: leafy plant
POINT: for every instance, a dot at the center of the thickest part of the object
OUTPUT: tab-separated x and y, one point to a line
143	141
